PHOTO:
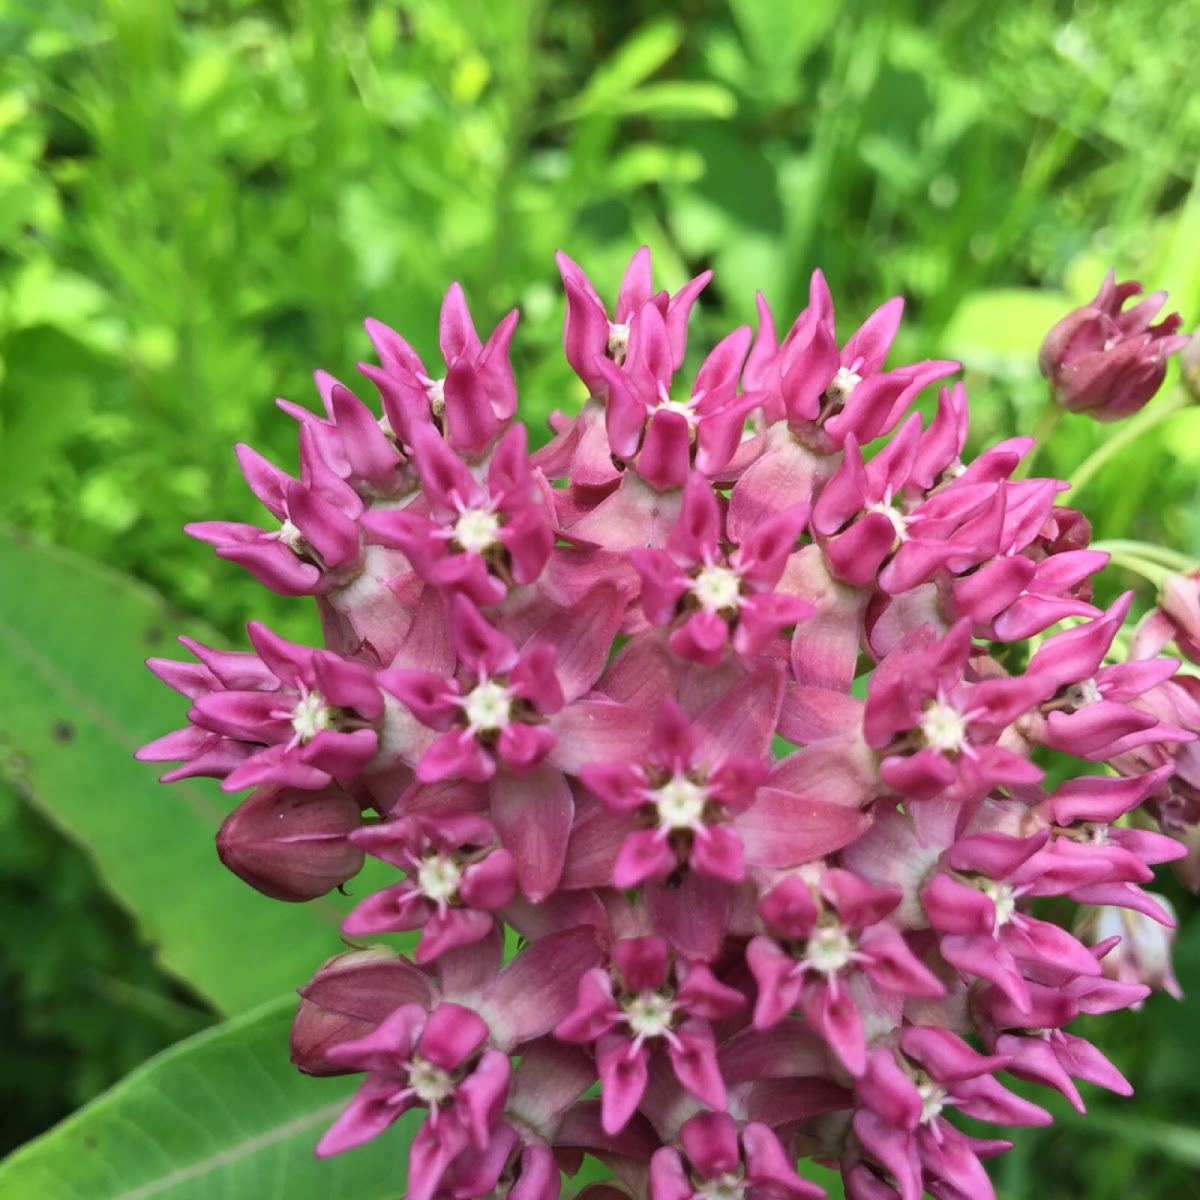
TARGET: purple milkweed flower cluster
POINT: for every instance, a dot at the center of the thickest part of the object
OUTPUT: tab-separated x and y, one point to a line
729	703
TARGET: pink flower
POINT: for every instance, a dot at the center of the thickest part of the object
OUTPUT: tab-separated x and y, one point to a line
430	1060
818	937
723	1160
495	714
473	540
899	1100
589	334
1106	362
681	802
722	708
653	1009
288	715
456	878
714	599
471	404
317	543
934	729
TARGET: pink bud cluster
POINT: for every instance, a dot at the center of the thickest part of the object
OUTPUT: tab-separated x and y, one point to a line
729	702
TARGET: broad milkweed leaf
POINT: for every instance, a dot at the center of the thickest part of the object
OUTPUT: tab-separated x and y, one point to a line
75	703
221	1114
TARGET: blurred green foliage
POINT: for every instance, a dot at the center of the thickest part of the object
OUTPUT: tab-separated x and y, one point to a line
200	201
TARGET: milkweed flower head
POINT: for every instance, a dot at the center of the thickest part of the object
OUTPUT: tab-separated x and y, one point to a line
730	704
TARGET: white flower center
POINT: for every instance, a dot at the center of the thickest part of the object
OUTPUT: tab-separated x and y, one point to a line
430	1083
435	389
476	530
933	1100
682	407
716	588
944	728
844	382
680	803
1004	899
311	715
618	342
829	949
728	1186
290	536
438	877
649	1013
488	707
1085	693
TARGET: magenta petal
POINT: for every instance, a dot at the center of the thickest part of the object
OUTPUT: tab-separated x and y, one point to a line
490	883
695	539
644	854
619	785
595	1011
663	583
894	966
831	1011
668	1181
711	1144
482	1095
429	697
664	460
701	638
717	853
694	1058
523	746
538	989
778	981
455	754
769	1169
451	1034
781	829
456	927
623	1074
342	755
400	907
532	813
367	1115
432	1151
694	916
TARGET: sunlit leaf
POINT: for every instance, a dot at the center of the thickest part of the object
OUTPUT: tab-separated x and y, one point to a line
76	702
222	1114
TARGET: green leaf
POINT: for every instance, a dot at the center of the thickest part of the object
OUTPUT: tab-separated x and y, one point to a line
49	384
681	98
780	34
634	61
222	1114
75	704
1004	323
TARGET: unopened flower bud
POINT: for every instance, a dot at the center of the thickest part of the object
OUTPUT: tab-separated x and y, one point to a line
1143	955
1187	869
292	844
1106	362
348	997
1189	362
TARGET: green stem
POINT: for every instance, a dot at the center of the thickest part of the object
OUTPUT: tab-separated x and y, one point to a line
1146	420
1163	555
1155	572
1043	427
